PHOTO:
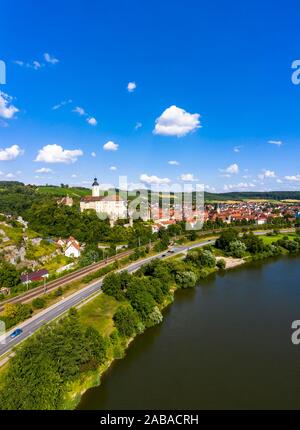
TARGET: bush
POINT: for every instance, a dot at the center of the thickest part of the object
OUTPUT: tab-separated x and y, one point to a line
38	303
221	264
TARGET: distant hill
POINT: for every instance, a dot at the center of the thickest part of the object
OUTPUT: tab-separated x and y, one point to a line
16	197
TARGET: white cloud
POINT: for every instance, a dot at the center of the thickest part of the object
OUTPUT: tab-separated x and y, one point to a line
138	125
240	186
153	179
279	181
175	121
293	178
131	86
110	146
93	154
56	154
276	142
7	109
113	168
61	104
19	63
36	65
73	176
50	59
233	169
44	170
188	177
92	121
237	148
173	163
267	174
79	110
10	153
10	175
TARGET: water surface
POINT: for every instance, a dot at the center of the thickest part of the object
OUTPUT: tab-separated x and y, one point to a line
224	345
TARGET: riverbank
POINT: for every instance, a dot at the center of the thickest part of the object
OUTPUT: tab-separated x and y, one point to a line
73	399
136	303
93	379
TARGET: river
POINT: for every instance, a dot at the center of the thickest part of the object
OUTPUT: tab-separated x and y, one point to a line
224	345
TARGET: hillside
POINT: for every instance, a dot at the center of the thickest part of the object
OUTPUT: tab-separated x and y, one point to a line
16	197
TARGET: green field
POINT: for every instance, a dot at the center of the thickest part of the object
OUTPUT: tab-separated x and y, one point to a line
271	239
64	191
99	312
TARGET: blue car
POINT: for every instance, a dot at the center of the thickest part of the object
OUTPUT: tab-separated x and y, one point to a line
16	333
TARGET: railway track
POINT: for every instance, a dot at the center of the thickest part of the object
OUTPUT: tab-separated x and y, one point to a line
64	280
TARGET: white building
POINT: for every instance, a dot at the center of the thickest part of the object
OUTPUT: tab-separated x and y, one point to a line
113	205
72	249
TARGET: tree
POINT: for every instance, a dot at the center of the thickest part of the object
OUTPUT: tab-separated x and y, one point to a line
226	237
126	321
186	279
9	275
237	249
97	346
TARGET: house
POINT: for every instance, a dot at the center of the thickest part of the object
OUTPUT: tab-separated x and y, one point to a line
66	201
27	278
72	248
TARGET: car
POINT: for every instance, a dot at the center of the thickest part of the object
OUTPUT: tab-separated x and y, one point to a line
16	333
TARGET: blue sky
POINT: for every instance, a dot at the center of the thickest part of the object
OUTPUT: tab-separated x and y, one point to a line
212	78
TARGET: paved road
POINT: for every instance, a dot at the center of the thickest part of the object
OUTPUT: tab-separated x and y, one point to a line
31	325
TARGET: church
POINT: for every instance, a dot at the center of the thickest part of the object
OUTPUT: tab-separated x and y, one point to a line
113	205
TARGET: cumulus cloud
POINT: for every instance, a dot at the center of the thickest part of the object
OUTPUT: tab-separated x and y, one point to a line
50	59
173	163
188	177
276	142
44	170
233	169
92	121
110	146
131	86
7	109
56	154
7	154
175	121
93	154
138	125
267	174
113	168
293	178
152	179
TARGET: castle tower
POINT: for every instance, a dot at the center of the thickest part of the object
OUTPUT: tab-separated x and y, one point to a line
95	188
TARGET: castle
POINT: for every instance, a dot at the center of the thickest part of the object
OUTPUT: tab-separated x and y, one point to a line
113	205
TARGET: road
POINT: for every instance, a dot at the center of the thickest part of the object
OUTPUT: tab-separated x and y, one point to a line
32	324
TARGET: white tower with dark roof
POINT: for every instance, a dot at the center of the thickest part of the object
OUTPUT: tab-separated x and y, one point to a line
95	188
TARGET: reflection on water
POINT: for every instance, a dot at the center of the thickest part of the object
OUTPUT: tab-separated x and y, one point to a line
226	344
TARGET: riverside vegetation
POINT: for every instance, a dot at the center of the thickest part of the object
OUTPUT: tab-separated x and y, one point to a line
52	368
